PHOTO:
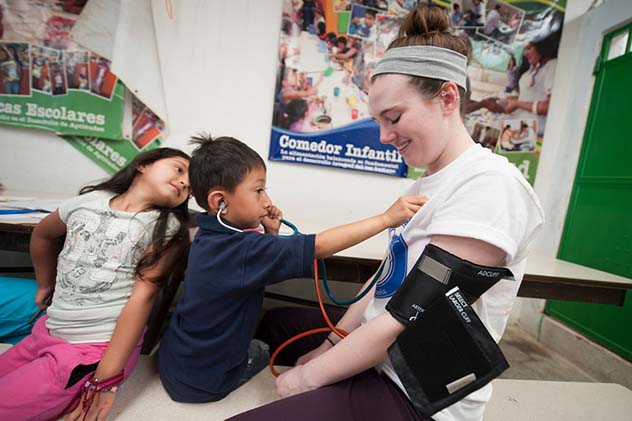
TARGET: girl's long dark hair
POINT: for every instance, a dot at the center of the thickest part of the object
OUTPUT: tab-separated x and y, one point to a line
177	246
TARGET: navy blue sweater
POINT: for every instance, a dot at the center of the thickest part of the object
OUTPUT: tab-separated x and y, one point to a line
204	351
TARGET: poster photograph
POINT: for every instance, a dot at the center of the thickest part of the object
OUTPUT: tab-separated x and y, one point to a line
49	82
328	50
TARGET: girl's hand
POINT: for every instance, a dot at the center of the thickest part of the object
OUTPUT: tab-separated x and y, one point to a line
292	383
403	209
98	411
316	352
43	296
272	222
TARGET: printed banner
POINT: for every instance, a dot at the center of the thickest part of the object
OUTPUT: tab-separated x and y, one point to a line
114	155
47	81
328	49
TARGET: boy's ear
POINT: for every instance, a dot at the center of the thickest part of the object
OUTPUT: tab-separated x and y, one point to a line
214	198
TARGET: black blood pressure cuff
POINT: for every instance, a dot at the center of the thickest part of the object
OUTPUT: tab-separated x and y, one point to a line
445	355
445	352
435	272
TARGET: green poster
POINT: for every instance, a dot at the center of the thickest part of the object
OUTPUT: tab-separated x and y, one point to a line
111	155
49	82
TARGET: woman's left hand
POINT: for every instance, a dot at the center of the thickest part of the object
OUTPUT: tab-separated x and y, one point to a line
98	411
292	382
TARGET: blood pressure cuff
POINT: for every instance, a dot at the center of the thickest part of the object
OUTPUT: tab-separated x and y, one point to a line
445	355
445	352
436	272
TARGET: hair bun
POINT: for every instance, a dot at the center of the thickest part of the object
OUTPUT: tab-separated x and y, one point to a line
425	20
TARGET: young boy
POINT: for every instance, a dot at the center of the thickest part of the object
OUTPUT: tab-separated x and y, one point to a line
207	350
365	27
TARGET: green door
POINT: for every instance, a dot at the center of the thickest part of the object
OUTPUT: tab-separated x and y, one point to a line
598	228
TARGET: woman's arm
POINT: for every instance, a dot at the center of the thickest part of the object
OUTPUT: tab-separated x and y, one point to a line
349	322
44	247
542	107
367	345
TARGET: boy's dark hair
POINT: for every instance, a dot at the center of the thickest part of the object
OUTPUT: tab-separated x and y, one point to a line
342	39
222	162
370	12
178	244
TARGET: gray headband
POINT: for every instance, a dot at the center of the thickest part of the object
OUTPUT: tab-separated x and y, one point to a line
424	61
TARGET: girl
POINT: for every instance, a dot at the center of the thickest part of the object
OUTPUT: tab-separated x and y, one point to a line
123	239
480	209
297	117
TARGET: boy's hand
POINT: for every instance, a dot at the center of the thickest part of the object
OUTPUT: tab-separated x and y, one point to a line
403	209
272	222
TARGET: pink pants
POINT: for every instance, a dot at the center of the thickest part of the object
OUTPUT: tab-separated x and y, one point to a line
35	372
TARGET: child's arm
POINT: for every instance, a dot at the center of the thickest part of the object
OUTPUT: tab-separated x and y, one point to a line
127	333
336	239
44	248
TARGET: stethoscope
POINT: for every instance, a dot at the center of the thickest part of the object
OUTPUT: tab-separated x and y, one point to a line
222	206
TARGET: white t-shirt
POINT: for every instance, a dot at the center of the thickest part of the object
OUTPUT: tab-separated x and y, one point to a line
95	269
535	85
479	195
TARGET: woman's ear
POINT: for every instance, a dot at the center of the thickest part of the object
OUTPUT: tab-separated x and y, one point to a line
141	168
450	98
215	199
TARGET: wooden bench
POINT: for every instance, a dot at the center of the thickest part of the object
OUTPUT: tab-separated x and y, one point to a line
143	398
515	400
